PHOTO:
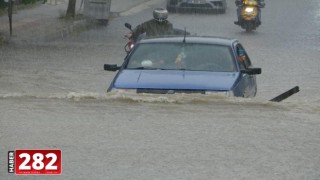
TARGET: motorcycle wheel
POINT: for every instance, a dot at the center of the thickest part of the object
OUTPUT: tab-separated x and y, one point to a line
249	27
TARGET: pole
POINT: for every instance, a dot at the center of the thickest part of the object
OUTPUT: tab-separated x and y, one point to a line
10	15
286	94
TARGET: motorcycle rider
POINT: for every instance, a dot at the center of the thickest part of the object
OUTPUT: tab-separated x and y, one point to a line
157	26
239	4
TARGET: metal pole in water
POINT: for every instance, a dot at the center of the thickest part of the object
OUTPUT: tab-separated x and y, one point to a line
10	5
286	94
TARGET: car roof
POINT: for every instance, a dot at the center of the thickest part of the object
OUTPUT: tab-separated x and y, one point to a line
191	39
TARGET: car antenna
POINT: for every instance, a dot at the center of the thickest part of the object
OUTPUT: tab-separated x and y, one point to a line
185	34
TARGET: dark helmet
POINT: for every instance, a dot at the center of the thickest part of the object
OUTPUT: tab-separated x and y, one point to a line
160	14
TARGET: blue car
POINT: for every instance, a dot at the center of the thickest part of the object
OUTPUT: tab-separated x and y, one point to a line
192	64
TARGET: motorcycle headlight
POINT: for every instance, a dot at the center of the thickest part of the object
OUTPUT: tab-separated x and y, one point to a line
120	90
220	93
249	9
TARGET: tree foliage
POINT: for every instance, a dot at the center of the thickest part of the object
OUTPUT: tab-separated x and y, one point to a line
3	5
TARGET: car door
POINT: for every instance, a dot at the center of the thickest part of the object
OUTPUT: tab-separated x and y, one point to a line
248	82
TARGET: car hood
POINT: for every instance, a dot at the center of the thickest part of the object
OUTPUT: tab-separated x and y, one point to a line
176	79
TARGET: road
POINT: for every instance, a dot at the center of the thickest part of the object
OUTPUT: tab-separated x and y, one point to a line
53	95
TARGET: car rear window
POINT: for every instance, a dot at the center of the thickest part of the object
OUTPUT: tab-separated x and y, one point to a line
195	57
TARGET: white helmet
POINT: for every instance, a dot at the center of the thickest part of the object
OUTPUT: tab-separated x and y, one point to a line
160	14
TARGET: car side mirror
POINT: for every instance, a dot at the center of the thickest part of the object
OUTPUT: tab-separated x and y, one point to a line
111	67
251	71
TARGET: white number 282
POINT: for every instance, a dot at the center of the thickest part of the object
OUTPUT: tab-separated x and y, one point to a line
37	161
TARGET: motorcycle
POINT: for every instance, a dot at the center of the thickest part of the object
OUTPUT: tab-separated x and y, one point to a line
249	16
130	43
131	40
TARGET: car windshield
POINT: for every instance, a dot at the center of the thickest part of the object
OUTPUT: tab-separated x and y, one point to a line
177	56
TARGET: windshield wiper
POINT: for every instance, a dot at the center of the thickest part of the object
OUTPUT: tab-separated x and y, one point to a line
185	69
138	68
148	68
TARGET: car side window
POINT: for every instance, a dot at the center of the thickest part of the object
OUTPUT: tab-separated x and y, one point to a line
242	57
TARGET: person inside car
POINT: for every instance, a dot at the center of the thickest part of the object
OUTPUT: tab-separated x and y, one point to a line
241	57
157	26
239	4
179	61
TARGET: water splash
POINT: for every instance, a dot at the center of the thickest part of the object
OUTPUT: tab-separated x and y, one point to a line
194	99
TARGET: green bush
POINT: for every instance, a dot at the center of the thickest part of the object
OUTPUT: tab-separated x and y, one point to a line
3	5
28	1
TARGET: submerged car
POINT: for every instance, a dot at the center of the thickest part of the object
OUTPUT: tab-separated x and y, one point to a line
197	5
191	64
